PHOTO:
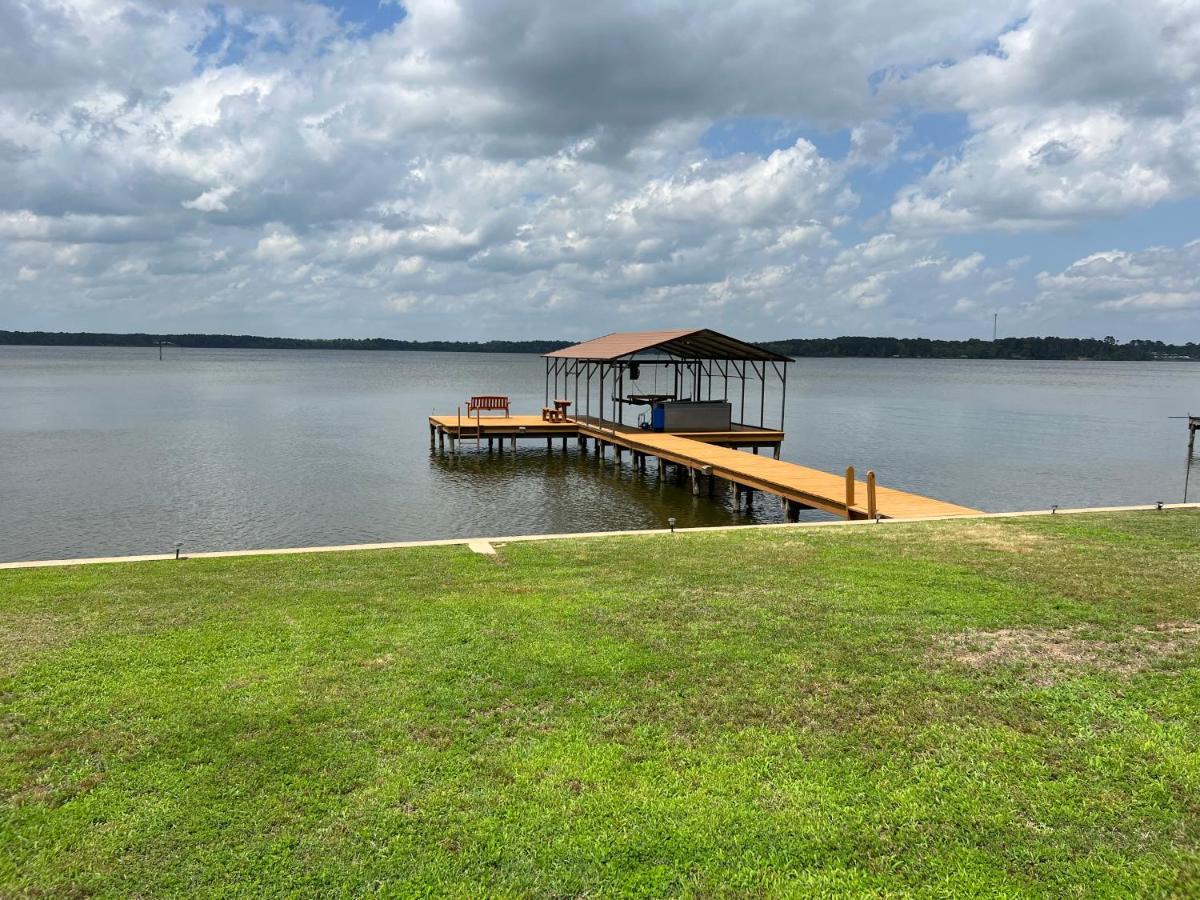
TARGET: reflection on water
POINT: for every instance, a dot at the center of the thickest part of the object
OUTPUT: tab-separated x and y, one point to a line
106	450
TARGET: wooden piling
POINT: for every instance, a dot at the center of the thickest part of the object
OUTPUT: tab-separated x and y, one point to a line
872	508
849	488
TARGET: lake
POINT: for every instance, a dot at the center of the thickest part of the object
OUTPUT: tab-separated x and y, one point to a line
110	451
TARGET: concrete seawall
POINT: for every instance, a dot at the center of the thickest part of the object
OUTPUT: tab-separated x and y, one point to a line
485	545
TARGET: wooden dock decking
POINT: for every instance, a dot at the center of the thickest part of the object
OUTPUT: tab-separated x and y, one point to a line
705	458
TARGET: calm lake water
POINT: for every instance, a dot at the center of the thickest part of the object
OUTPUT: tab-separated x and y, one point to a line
110	451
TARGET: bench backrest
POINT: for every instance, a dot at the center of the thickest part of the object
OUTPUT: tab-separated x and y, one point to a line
487	402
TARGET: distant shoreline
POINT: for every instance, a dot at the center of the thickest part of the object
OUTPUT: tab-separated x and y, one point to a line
1025	348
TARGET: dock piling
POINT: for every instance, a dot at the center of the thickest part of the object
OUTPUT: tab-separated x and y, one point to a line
872	508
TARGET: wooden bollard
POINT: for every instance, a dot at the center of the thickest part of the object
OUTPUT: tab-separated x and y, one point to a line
872	509
849	487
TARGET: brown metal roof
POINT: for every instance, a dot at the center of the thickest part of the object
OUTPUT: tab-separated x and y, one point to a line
688	343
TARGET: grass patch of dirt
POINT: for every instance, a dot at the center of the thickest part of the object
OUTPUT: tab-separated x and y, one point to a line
1048	655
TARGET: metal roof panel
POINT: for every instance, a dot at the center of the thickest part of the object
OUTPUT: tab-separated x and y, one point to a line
686	343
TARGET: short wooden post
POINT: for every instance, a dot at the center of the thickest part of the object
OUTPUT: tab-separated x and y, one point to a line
514	443
849	488
692	473
441	438
549	443
432	436
777	451
872	509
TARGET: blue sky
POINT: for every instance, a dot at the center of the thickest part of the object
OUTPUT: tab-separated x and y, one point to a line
459	168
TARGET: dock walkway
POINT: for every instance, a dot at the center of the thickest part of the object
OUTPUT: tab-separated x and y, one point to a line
705	458
808	487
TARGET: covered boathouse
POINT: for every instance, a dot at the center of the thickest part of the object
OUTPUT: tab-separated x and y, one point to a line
682	380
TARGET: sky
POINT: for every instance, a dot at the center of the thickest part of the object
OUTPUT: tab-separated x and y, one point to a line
453	169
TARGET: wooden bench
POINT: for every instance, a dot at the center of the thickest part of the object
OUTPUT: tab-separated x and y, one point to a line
489	403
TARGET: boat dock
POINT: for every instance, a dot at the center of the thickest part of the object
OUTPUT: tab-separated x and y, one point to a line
694	394
705	457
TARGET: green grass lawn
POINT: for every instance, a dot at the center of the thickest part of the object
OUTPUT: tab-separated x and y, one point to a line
1008	707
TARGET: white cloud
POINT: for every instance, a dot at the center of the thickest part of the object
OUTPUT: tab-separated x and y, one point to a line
963	268
277	246
1162	280
1083	110
210	201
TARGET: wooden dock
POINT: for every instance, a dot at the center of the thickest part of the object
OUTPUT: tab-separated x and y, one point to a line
707	456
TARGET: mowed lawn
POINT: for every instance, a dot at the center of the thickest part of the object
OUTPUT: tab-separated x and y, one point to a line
1006	706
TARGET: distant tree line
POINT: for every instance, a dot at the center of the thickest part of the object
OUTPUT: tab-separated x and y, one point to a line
1005	348
249	341
880	347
